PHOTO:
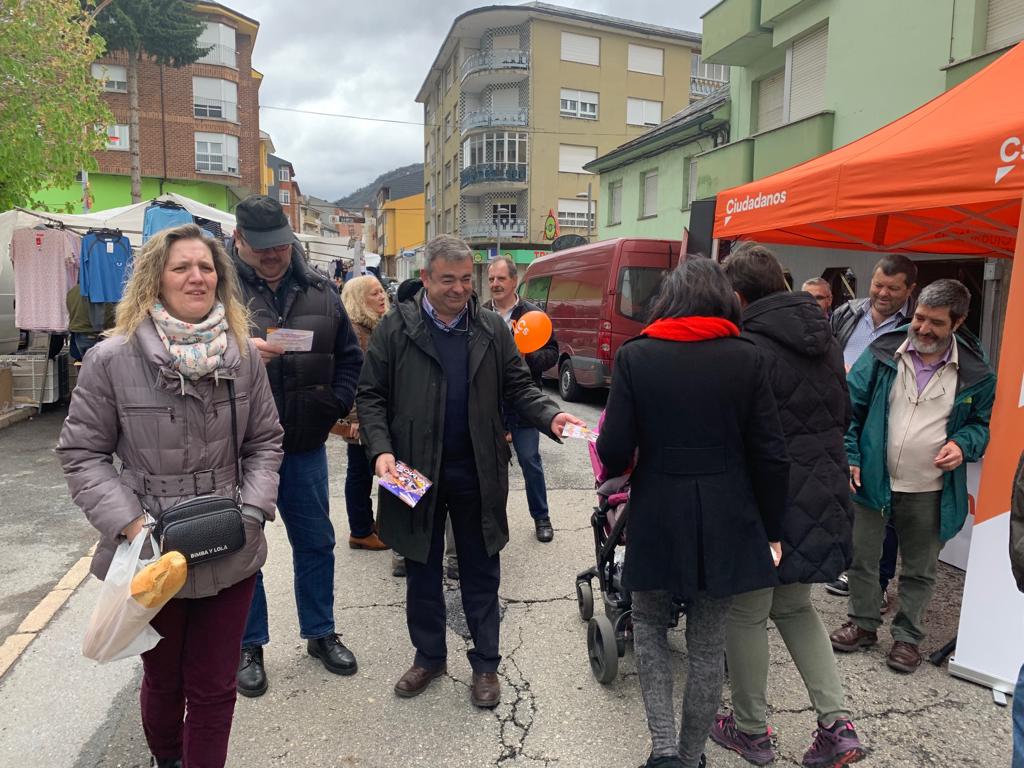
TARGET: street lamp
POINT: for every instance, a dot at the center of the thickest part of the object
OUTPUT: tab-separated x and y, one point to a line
497	229
580	196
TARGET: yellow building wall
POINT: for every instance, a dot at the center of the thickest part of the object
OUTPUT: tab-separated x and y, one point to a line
404	223
613	83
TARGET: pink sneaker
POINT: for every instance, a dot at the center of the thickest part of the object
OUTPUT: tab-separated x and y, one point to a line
834	747
754	749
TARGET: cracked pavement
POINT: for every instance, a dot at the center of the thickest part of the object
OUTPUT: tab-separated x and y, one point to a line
552	712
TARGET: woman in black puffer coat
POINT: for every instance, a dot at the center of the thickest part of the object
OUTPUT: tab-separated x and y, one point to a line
806	373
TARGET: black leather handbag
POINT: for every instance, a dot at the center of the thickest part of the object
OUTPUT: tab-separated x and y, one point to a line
206	527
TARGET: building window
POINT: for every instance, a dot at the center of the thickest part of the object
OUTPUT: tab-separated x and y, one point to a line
216	153
285	196
448	173
113	76
497	148
220	39
572	158
578	104
215	98
448	126
449	75
504	213
284	174
770	98
428	154
643	112
647	60
117	137
691	181
581	48
648	194
615	202
1005	23
573	213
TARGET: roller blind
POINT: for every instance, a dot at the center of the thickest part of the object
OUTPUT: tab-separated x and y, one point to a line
643	112
582	48
769	101
807	75
1005	23
645	59
571	157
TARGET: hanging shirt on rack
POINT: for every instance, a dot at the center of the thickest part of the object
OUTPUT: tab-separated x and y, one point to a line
106	259
161	216
45	266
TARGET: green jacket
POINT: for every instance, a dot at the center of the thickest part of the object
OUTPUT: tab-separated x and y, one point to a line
870	381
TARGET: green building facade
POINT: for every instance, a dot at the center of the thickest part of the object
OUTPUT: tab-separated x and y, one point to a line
806	77
112	191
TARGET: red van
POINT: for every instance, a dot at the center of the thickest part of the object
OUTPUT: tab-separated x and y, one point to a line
597	296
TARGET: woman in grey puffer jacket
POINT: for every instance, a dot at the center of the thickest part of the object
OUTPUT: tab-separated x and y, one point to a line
155	395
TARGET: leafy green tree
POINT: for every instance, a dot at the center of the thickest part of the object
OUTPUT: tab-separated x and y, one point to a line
52	115
166	31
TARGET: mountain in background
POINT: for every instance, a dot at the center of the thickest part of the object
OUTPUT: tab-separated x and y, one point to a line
403	182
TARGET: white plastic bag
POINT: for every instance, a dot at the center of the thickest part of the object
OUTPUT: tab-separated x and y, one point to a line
119	626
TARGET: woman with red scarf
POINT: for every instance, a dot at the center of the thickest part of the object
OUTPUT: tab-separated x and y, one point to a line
691	400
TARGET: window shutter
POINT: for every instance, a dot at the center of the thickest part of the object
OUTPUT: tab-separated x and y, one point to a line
505	99
571	158
582	48
1005	23
643	112
644	59
769	101
569	205
691	182
807	78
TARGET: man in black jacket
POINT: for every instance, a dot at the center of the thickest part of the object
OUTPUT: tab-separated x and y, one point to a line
437	371
502	278
312	389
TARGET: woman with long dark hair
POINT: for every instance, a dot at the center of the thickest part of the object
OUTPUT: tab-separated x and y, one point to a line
691	406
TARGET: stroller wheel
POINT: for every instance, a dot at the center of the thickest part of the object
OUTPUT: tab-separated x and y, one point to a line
585	600
603	651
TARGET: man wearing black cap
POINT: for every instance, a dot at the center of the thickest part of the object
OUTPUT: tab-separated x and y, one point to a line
312	390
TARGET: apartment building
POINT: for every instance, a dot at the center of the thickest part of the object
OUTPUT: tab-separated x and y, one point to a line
520	98
285	189
400	225
198	125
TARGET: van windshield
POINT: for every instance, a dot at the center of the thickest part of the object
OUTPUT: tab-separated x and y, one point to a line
638	287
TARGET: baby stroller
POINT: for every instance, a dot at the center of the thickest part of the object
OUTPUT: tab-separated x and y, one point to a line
606	634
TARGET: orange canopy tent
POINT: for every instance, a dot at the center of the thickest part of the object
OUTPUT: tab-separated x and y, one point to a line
946	178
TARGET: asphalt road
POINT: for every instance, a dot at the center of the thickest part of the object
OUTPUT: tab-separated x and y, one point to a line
60	710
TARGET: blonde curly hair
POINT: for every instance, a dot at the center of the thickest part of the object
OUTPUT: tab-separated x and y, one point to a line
142	290
354	295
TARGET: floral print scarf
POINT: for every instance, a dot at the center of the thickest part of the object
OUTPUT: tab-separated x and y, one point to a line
197	348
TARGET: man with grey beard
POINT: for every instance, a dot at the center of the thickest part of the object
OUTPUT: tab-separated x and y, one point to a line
921	398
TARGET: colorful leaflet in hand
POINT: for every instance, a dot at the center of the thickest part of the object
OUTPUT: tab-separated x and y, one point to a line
406	483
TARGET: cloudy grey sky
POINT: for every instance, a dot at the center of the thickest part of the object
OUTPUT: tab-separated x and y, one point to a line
369	59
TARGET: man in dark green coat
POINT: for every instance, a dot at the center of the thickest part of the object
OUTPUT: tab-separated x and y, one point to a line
921	400
436	372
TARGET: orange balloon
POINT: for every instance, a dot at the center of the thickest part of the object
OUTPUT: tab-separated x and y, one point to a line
532	331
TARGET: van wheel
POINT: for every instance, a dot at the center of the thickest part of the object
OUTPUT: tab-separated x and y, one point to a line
568	387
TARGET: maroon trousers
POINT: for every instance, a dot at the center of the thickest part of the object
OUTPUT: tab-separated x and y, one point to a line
188	689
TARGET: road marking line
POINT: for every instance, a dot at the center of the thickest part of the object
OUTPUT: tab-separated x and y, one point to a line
37	619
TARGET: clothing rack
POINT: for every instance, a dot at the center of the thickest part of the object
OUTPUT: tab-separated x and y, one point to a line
79	228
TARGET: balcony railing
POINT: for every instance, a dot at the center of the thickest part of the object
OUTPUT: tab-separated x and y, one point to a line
215	109
485	118
704	86
216	164
490	228
219	53
489	172
498	58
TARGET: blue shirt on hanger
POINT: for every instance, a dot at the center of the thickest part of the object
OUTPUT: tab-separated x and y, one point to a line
105	262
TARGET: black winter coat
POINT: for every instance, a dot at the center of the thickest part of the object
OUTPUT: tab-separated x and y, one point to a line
808	378
401	402
709	488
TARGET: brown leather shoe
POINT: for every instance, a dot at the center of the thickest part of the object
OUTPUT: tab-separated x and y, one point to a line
372	542
416	679
486	690
850	637
904	657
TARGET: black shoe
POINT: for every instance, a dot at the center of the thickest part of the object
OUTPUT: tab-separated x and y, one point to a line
840	587
252	677
545	532
333	654
452	569
397	566
165	762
